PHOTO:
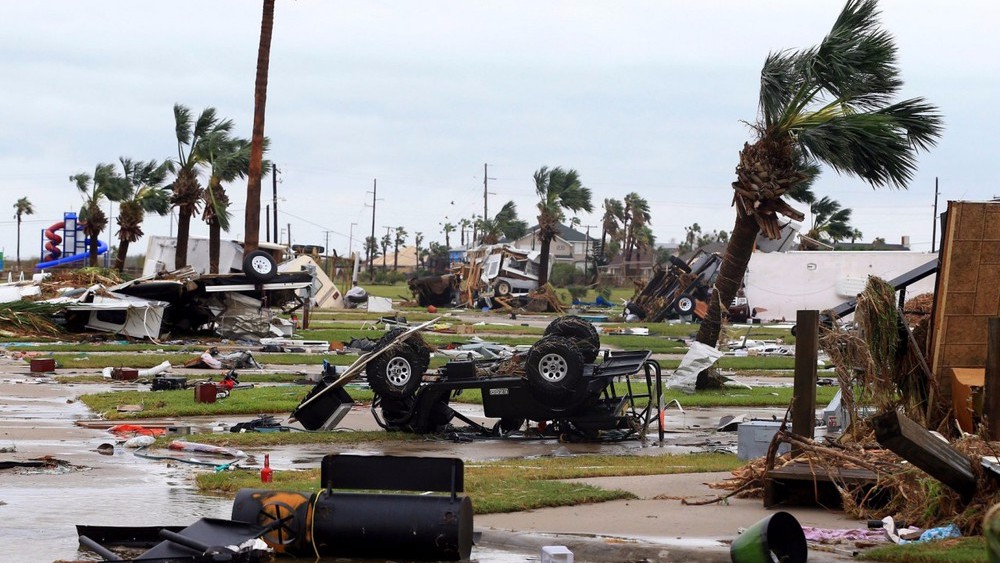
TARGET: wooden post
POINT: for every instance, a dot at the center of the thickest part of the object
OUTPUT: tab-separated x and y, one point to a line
806	355
991	401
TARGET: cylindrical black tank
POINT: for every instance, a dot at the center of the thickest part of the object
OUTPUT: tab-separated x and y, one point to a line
366	525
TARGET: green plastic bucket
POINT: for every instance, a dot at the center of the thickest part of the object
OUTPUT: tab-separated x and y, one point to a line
776	538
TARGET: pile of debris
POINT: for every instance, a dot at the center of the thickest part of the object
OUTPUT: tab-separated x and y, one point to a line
682	290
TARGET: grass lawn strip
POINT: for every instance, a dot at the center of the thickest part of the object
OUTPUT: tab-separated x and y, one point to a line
952	550
513	485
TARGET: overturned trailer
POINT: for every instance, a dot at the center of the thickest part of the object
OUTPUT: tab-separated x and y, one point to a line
563	386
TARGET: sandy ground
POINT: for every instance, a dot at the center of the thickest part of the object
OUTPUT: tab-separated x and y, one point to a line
37	418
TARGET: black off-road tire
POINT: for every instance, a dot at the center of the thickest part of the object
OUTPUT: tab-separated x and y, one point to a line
554	368
395	373
421	352
580	331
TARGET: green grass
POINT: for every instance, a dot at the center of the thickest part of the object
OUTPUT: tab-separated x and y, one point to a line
168	404
956	550
513	485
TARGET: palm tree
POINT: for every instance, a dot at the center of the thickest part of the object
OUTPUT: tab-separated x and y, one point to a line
104	184
464	224
558	190
21	208
637	219
187	191
256	166
143	193
611	222
447	229
504	224
227	159
831	223
385	243
398	239
831	104
418	241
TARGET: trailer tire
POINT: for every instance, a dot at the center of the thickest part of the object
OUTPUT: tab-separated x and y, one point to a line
260	266
503	288
554	369
580	331
685	305
395	373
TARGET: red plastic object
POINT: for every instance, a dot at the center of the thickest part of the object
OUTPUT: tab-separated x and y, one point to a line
265	472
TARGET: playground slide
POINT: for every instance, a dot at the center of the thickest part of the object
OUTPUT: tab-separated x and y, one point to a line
102	247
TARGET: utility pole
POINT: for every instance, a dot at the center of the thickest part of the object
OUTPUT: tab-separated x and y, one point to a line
267	221
274	184
350	244
326	253
371	249
935	222
486	196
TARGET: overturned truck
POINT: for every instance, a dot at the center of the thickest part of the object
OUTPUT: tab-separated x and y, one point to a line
565	386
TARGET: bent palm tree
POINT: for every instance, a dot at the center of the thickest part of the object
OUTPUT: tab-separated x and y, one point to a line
104	184
558	190
830	104
611	222
504	224
831	222
21	208
187	191
143	192
227	160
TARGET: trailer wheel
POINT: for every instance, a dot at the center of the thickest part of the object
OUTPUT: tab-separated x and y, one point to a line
260	266
554	368
415	344
685	305
395	373
580	331
503	288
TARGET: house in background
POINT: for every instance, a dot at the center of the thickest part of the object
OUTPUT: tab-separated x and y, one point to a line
569	246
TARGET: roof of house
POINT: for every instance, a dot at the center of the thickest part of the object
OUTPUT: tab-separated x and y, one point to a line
564	232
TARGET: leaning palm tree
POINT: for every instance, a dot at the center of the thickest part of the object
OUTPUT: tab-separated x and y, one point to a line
227	159
143	192
104	184
187	190
833	104
504	224
831	222
398	239
637	219
21	208
558	190
256	170
611	222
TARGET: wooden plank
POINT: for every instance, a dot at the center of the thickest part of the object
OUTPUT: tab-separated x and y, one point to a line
918	446
804	393
800	484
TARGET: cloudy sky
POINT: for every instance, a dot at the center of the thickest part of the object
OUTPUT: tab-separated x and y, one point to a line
643	96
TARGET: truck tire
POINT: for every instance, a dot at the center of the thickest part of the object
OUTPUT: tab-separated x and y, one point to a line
395	373
580	331
554	369
260	266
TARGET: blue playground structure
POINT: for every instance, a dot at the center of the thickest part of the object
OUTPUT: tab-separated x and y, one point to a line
74	244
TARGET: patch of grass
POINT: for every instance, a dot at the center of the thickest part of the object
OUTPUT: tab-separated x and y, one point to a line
170	404
244	378
954	550
516	484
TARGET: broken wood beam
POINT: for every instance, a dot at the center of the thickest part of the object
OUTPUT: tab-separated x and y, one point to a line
804	391
919	446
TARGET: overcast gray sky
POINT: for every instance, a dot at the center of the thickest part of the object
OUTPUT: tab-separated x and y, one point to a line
637	96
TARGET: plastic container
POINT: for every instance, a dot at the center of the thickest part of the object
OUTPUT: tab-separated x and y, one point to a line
778	537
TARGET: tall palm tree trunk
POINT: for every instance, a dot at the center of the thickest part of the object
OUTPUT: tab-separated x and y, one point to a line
727	283
252	222
18	242
543	274
183	230
214	243
123	245
93	250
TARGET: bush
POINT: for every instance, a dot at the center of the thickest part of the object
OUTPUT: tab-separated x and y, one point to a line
389	277
564	275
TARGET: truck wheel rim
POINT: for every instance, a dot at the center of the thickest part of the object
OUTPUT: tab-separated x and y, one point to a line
553	367
684	303
260	264
398	371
